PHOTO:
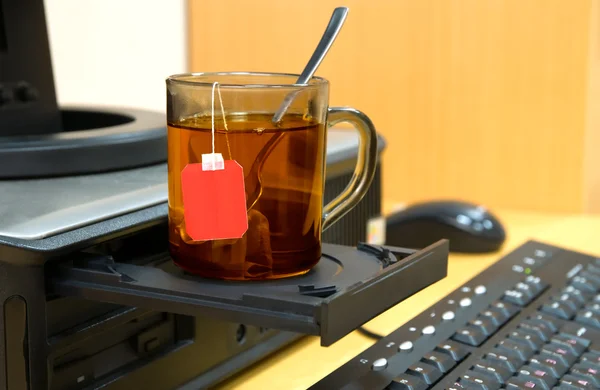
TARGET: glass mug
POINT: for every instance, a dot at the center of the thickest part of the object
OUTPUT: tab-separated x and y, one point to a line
286	221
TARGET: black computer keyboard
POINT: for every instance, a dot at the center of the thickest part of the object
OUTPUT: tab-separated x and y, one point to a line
530	321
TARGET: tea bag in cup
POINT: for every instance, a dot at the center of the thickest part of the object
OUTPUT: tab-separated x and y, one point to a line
214	199
259	253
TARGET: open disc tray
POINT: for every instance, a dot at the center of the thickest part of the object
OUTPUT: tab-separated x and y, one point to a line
124	260
347	288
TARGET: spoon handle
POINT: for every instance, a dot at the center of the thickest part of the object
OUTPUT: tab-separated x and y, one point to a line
331	32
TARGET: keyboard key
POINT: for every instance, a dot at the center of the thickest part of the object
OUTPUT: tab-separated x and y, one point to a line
465	302
470	336
569	301
517	297
520	382
569	343
576	331
526	289
527	338
505	308
560	353
443	362
531	262
379	364
536	284
576	383
510	346
594	269
496	317
544	378
577	295
588	317
455	350
592	278
558	309
425	372
593	307
550	327
547	362
458	386
591	357
539	329
448	315
549	321
405	346
510	362
407	382
485	325
586	370
474	380
501	373
584	284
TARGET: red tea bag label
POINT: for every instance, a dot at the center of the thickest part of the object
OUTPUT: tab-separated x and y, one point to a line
214	199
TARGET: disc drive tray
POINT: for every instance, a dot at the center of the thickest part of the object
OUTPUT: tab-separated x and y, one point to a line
348	287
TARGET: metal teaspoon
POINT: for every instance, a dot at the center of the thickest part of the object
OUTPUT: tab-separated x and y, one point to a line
252	179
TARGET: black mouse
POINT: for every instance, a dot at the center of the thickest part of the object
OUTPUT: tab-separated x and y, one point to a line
469	227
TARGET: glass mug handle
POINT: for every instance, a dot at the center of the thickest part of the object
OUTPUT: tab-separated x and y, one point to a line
366	163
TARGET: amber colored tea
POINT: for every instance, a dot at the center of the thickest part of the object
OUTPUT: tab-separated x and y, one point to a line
284	227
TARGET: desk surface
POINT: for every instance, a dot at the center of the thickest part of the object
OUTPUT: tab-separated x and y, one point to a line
306	362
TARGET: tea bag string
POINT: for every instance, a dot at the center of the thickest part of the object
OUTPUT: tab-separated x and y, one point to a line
218	88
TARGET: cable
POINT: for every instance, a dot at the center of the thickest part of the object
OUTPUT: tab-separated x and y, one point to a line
369	334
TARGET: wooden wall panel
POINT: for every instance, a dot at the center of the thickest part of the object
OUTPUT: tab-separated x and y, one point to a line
592	131
478	99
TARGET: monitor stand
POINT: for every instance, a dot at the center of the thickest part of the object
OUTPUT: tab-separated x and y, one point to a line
40	139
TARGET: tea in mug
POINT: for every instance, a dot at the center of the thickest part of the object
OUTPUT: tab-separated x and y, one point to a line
284	226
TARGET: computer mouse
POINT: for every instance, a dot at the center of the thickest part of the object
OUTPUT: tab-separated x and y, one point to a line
469	227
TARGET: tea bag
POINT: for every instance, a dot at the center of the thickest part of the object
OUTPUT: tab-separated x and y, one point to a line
227	254
258	252
213	193
250	251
